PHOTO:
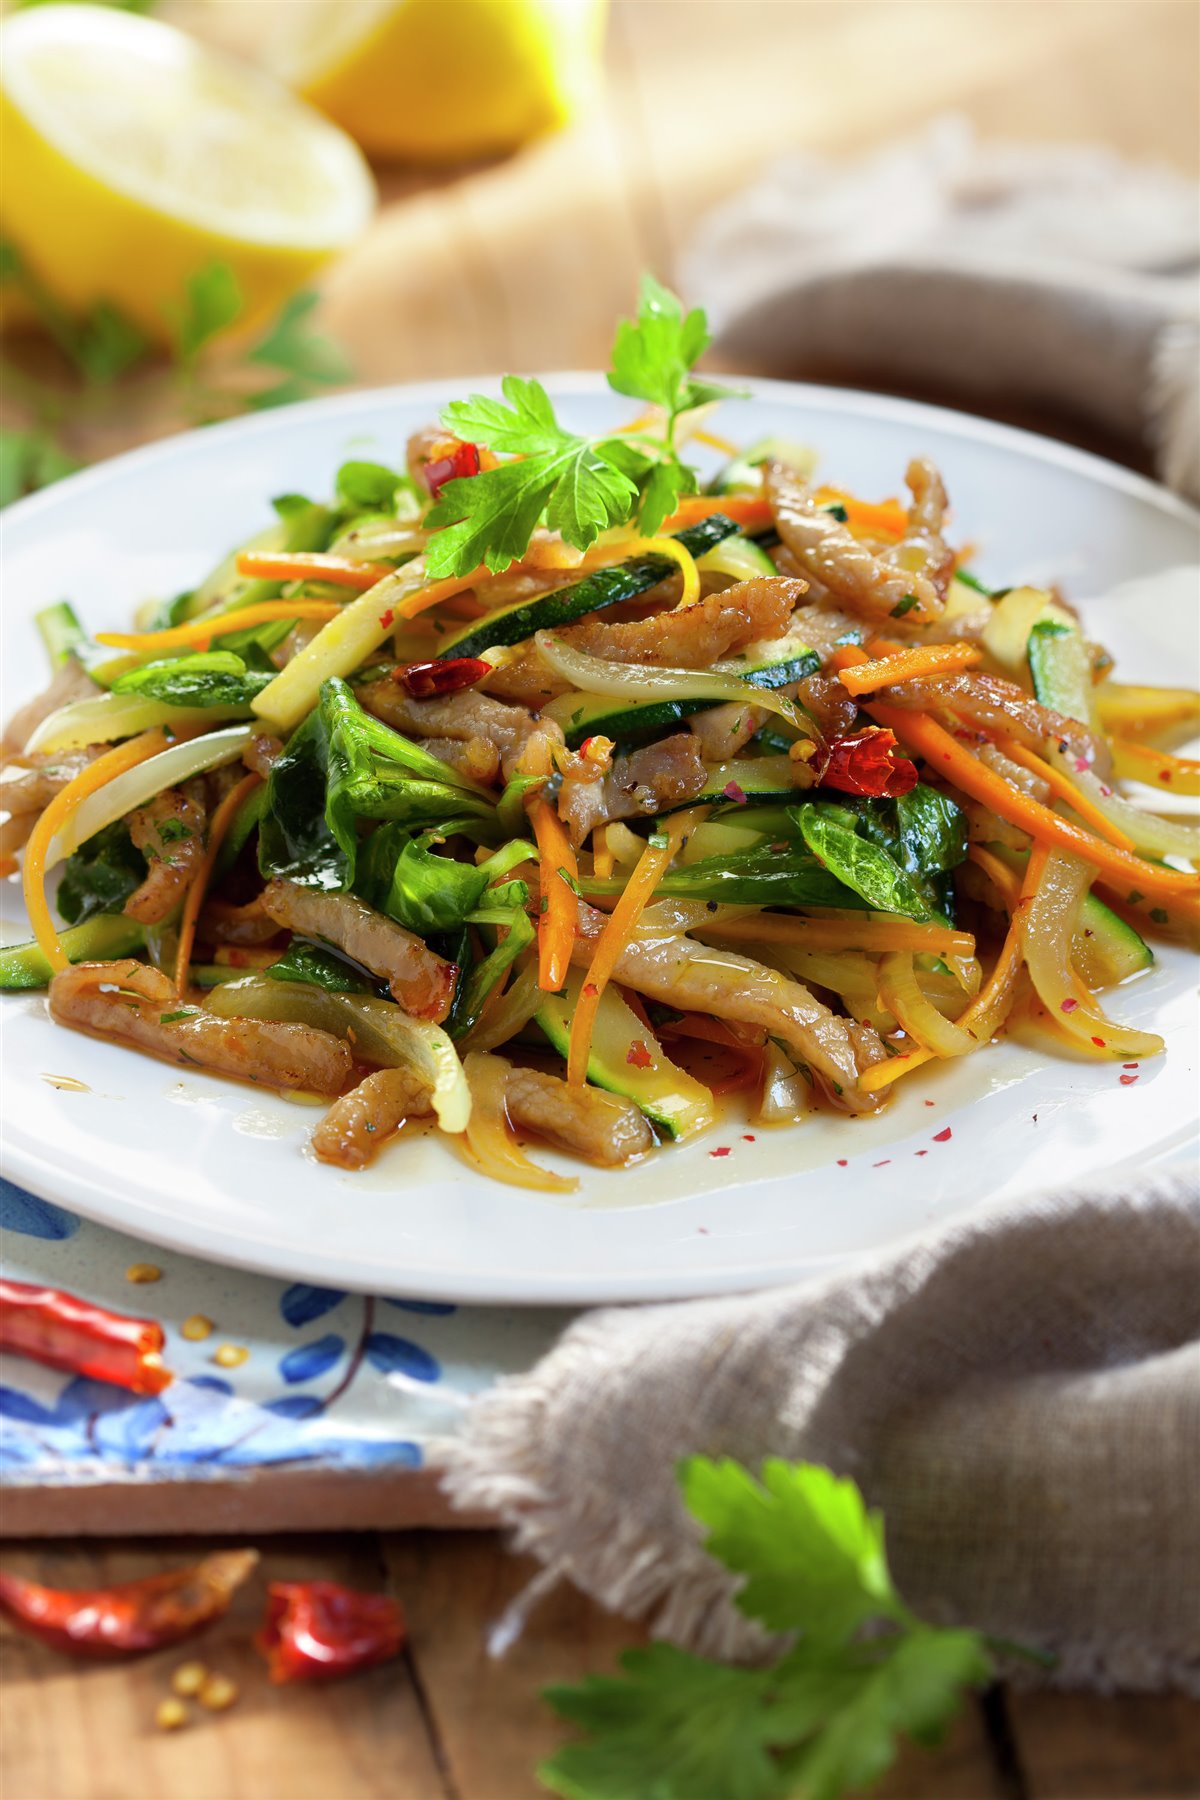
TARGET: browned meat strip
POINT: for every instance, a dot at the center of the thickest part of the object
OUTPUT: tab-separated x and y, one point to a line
689	637
998	705
422	983
923	547
169	831
31	788
724	730
262	753
597	1126
69	683
824	547
637	786
476	757
462	716
248	926
825	699
126	1002
357	1126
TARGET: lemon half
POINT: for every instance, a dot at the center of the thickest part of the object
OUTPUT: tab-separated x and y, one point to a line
130	156
442	80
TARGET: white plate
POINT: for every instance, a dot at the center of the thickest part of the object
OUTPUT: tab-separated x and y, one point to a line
207	1166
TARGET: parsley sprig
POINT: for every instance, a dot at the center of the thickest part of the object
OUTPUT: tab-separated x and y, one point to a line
579	486
823	1719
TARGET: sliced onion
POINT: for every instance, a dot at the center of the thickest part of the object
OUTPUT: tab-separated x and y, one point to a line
785	1095
490	1135
146	779
853	977
107	717
917	1016
1048	928
1149	832
514	1009
382	1034
641	681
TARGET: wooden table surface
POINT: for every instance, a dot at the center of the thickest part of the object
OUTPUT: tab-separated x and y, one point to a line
524	265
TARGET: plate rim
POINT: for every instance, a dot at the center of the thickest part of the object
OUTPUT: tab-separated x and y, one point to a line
207	1240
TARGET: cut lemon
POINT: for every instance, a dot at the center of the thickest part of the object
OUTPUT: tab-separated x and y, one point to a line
442	80
132	156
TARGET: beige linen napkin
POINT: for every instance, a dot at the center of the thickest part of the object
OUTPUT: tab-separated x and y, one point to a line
1019	1393
1059	282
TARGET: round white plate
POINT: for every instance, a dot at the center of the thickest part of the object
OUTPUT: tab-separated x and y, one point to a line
208	1166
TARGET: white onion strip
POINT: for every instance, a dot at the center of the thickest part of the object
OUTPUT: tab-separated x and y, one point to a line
1149	832
196	756
104	718
641	681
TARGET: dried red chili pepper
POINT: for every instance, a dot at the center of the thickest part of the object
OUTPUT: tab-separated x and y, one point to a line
318	1630
132	1617
423	680
56	1328
868	764
461	459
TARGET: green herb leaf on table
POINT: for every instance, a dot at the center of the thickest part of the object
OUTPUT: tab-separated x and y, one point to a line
306	358
31	459
212	301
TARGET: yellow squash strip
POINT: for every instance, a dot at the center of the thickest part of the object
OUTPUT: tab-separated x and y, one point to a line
908	665
490	1136
194	898
1063	789
852	931
198	632
603	860
989	1009
1138	762
618	929
96	775
916	1015
679	553
1141	711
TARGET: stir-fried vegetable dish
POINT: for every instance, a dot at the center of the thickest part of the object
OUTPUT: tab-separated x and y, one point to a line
543	791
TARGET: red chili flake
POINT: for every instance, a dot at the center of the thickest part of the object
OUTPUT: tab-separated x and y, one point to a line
461	459
638	1055
318	1630
1069	1005
931	1103
869	764
920	1153
387	619
55	1328
1106	791
1081	764
1130	1065
424	680
1128	1080
590	989
1099	1043
702	1230
883	1164
732	791
721	1150
131	1617
841	1162
747	1137
1164	774
943	1137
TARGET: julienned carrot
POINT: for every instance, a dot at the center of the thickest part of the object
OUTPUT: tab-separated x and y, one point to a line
194	898
743	509
1065	789
908	665
200	631
311	565
984	1011
1139	762
1006	881
887	518
948	758
559	919
426	597
618	929
96	775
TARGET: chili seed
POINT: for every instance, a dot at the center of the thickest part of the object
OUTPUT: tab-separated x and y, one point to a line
196	1329
217	1693
188	1679
140	1272
169	1715
230	1356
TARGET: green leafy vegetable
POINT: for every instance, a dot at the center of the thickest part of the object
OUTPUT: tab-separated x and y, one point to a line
860	865
402	876
924	832
652	356
370	486
212	301
302	961
767	874
825	1718
103	938
306	358
504	913
61	633
101	875
208	678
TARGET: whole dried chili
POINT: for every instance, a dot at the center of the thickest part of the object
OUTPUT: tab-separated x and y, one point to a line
318	1631
461	459
67	1333
868	764
424	680
133	1616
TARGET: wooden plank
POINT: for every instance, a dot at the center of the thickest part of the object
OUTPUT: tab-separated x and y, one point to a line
1120	1747
485	1712
78	1731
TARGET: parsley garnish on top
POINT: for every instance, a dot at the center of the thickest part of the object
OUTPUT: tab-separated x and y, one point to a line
820	1721
579	486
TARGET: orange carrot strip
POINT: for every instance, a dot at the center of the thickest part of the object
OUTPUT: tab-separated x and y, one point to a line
618	929
908	665
194	898
311	565
96	775
560	919
1139	762
991	996
1065	789
1006	881
948	758
437	590
200	631
603	860
887	518
743	509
